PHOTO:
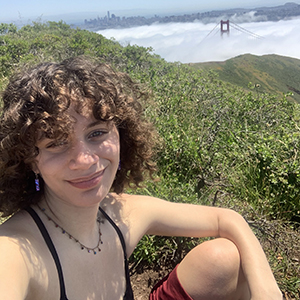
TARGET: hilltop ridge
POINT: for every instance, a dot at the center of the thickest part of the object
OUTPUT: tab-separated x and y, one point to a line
271	73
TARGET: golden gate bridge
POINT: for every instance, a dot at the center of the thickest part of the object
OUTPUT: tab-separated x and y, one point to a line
225	27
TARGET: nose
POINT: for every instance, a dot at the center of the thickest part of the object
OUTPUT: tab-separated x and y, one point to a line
82	156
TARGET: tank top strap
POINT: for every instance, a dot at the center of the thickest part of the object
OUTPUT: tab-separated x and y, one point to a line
52	250
129	293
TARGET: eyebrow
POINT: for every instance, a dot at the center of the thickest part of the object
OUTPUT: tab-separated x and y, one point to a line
95	123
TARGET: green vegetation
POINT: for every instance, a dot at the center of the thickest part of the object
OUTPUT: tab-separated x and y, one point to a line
219	144
272	73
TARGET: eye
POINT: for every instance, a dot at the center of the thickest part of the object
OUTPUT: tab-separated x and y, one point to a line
57	144
97	134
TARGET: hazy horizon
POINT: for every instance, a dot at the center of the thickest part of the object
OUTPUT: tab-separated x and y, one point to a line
76	11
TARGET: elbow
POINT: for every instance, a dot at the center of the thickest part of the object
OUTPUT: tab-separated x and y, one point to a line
231	221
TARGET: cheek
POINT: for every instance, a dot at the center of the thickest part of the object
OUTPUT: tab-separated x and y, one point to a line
47	165
110	152
111	148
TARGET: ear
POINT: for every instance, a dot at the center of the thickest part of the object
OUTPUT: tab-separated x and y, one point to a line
34	168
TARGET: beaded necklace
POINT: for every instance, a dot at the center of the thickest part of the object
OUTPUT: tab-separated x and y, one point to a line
89	250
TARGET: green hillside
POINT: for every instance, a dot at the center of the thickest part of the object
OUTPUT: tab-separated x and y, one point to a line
273	73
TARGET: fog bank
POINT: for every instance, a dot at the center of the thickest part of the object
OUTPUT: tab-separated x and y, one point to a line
198	42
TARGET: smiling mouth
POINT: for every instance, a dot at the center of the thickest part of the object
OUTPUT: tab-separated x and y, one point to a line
87	182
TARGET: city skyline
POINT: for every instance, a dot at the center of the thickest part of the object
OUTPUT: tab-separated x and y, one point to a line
75	10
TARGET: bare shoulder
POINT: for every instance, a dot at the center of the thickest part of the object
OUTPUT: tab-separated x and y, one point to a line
128	206
14	260
16	227
17	235
11	249
24	259
131	214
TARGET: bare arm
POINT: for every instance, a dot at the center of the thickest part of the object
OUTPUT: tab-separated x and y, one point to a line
14	276
165	218
255	265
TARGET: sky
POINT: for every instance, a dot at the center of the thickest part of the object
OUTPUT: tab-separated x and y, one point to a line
14	10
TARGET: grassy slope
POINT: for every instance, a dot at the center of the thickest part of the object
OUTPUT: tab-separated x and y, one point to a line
275	74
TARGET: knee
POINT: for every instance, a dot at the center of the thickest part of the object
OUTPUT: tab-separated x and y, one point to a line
211	270
219	259
222	254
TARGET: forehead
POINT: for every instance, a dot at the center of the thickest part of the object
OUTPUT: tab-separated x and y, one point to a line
68	122
85	119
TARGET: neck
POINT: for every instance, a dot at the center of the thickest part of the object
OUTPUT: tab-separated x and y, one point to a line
80	222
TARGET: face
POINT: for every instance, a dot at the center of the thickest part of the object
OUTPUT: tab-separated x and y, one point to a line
80	170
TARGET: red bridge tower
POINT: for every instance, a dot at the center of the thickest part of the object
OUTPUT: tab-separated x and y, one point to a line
224	27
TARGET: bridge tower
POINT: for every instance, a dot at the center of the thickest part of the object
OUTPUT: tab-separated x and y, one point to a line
224	27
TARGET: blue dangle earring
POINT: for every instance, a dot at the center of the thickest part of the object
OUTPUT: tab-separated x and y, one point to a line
119	166
37	182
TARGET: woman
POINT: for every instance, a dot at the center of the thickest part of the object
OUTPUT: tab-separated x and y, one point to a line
72	137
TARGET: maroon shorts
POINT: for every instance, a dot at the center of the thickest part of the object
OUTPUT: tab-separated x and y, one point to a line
169	288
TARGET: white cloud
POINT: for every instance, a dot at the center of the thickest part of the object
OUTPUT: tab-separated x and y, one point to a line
196	42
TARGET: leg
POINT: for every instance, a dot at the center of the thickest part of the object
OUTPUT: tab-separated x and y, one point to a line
212	271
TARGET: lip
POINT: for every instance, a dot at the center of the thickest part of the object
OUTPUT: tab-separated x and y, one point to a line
88	181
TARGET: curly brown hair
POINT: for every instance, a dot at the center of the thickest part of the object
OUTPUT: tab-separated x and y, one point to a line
35	104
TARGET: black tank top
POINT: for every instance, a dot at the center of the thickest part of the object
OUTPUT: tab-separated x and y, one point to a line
128	293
